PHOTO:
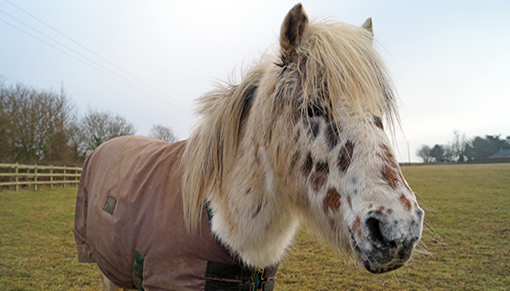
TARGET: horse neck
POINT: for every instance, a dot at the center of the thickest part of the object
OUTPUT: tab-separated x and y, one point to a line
250	215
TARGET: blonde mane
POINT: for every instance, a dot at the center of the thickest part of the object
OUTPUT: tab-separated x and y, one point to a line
336	66
213	142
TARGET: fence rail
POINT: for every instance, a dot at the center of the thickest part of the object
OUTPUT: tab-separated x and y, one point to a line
18	175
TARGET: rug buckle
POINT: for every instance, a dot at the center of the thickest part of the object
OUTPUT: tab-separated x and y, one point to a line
258	280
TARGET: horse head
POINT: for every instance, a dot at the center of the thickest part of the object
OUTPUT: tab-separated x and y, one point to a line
302	139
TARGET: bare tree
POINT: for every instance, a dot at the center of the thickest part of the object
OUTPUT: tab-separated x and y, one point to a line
458	146
34	125
98	126
424	152
438	153
162	132
449	154
442	153
4	144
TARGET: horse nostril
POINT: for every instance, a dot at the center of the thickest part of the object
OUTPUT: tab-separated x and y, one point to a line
408	243
404	254
375	235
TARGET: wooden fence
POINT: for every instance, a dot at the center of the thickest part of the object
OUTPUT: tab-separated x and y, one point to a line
23	176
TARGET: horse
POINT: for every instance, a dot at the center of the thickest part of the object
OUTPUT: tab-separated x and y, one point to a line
300	140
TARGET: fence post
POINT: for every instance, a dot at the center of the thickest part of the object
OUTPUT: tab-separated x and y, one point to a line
35	178
16	177
51	176
65	177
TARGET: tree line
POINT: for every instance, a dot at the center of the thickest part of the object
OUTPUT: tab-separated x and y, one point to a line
462	149
44	127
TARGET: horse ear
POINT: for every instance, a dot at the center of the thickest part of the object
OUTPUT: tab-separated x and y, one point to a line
292	30
368	26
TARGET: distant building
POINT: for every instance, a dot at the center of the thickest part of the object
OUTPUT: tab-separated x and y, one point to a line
501	154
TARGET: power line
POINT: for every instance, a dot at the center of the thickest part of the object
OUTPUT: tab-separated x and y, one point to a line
125	81
90	66
82	46
89	50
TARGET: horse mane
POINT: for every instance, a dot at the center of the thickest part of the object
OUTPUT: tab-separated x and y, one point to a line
332	57
214	141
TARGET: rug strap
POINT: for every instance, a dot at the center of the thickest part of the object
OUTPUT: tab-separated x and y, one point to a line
138	271
230	277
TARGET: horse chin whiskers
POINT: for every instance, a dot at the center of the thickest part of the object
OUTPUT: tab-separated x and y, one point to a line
369	259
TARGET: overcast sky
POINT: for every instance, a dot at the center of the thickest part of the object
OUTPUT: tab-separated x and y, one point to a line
148	60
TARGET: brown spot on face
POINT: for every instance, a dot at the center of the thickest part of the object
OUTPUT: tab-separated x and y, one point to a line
314	128
388	157
389	211
320	176
390	170
378	122
405	183
405	202
332	134
389	175
380	208
308	164
345	156
391	164
332	200
356	226
370	206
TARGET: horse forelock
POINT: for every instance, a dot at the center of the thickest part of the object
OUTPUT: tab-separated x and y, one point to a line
341	69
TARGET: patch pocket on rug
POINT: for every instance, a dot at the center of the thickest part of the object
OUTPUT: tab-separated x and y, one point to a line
109	206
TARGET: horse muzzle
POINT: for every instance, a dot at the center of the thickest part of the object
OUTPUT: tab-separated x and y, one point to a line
385	242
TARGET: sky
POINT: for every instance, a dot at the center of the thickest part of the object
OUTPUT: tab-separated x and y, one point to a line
149	60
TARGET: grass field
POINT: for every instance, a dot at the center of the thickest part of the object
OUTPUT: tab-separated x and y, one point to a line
467	211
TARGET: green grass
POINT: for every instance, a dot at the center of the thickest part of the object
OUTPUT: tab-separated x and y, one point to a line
37	249
467	211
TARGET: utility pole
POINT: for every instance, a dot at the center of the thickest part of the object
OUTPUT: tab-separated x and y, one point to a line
408	153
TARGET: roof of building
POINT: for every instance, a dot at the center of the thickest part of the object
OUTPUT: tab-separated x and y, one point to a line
501	154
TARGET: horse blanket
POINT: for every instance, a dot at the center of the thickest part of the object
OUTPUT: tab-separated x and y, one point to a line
129	220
